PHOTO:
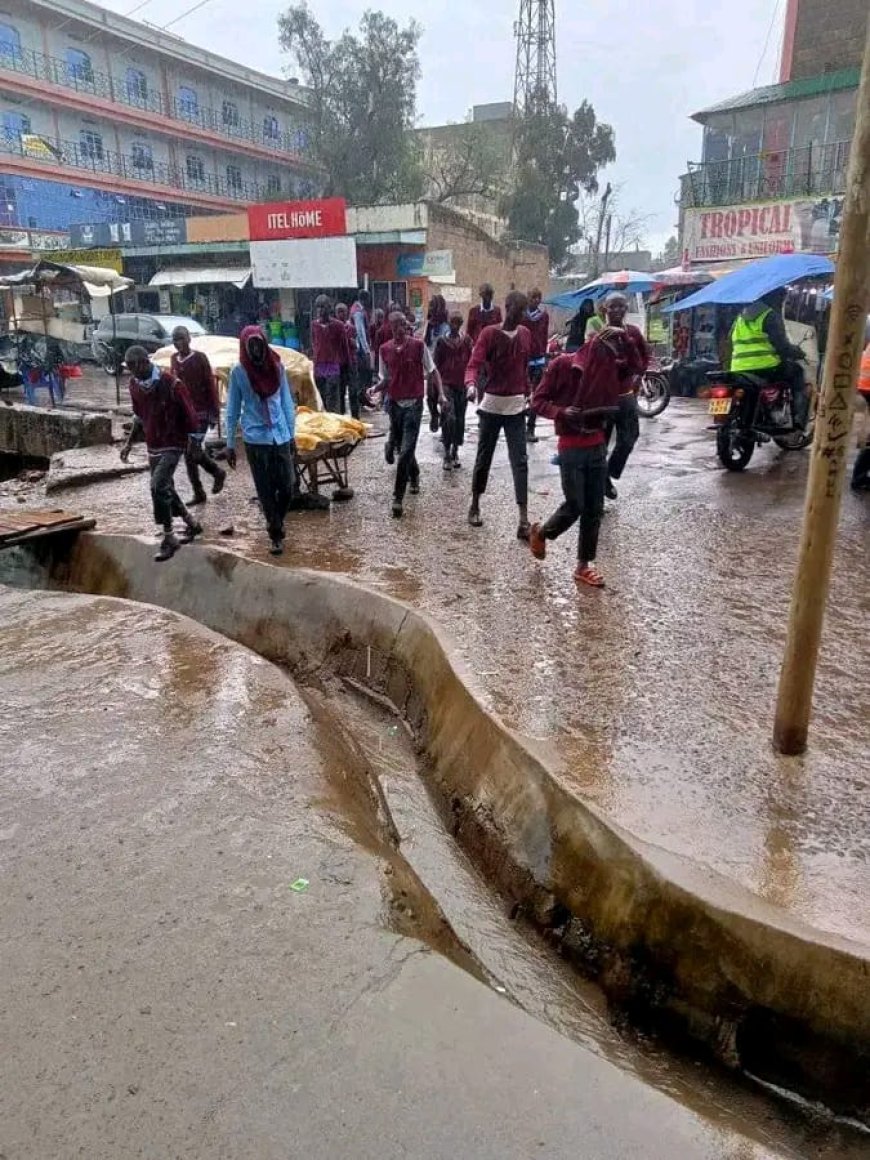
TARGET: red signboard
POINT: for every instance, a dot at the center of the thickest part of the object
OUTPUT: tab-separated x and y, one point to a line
276	220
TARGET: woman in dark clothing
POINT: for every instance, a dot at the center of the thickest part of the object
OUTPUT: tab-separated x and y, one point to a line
577	326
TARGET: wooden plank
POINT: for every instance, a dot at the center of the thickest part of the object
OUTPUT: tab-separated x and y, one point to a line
76	524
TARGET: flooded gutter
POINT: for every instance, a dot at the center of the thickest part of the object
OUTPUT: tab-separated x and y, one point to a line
682	948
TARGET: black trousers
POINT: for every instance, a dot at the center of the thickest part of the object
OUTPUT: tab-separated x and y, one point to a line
584	475
197	456
453	419
514	427
861	470
272	467
404	433
627	426
166	500
359	380
535	376
344	387
330	392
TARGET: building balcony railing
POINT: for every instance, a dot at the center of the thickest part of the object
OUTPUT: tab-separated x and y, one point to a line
82	159
137	94
810	171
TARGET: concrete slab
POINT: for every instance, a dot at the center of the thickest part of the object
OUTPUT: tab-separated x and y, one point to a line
79	466
165	993
39	433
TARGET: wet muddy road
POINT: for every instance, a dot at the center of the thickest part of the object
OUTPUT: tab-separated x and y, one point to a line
654	698
166	992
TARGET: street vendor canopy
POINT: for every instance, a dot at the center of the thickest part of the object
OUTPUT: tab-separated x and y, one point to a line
757	279
209	276
99	281
629	282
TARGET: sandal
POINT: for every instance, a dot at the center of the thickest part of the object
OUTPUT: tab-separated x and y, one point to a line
589	576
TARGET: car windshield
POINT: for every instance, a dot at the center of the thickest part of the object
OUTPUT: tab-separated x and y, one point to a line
170	321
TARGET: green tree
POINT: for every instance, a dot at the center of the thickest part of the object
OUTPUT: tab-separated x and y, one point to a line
362	95
557	158
467	161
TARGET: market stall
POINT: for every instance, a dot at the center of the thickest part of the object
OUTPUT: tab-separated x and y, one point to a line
52	361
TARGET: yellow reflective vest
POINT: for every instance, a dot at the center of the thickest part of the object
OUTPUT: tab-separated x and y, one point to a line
751	349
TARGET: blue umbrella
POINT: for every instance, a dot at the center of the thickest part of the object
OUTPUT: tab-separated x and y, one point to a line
758	279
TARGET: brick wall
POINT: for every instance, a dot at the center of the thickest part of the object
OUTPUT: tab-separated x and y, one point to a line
828	36
479	258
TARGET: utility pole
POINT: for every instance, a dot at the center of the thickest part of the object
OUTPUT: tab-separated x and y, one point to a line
535	75
833	429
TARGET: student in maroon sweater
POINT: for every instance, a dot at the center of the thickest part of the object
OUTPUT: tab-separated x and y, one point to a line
452	354
164	414
329	346
498	369
538	322
194	370
345	384
405	364
633	355
580	393
485	314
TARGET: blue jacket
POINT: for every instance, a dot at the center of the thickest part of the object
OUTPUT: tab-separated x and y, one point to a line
245	404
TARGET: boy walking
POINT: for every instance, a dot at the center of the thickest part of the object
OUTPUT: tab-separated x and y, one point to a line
484	314
538	322
580	393
405	366
452	355
329	346
260	397
165	416
194	370
501	356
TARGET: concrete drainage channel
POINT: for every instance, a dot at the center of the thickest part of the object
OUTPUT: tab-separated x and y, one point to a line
676	947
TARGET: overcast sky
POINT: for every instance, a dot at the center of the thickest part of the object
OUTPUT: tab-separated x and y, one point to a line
645	66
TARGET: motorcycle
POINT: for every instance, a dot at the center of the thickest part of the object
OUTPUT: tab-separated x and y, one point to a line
748	411
654	389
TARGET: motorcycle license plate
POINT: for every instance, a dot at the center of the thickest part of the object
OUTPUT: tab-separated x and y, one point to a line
720	406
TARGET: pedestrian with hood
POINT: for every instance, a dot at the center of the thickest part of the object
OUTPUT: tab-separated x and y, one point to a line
577	326
405	367
537	321
452	354
484	314
329	346
165	417
194	370
360	316
633	355
498	370
580	393
259	396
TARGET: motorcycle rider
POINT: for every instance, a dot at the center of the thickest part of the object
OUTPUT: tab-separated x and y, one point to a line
760	347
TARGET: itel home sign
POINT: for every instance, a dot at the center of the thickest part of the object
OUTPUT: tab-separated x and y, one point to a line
300	244
755	231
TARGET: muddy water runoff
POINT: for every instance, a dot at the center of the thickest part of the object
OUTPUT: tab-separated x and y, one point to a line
94	687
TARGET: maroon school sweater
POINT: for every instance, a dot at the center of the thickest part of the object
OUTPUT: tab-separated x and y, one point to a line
329	341
166	413
196	374
505	360
451	359
478	318
539	328
405	369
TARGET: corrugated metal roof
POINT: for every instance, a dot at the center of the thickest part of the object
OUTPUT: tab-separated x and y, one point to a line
846	78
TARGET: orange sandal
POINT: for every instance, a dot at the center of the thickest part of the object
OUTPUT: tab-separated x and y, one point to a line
588	576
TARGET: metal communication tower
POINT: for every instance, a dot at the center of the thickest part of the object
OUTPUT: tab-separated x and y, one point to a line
535	78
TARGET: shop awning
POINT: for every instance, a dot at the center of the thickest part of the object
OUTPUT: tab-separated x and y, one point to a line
238	276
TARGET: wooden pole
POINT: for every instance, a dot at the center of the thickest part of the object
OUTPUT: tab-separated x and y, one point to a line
833	428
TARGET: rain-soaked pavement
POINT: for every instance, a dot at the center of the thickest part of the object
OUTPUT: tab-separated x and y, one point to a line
653	698
166	992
